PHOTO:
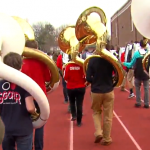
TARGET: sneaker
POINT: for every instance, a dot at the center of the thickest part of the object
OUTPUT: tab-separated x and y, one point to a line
73	118
79	124
105	143
65	102
146	106
137	105
69	110
98	139
131	95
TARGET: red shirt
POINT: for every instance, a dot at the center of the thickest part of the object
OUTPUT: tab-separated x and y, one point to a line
74	76
123	59
59	62
37	71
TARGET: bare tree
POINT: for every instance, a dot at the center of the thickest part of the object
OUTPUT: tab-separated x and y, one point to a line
45	35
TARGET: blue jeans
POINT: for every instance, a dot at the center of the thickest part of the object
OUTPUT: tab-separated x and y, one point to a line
65	90
39	133
38	139
22	142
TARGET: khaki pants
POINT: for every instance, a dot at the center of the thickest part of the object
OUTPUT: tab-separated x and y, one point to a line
107	102
130	76
124	80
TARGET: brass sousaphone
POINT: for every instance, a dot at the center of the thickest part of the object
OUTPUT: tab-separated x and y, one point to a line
141	20
92	24
69	44
39	55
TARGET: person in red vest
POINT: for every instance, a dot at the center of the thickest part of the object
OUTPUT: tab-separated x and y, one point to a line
40	73
122	59
59	64
75	79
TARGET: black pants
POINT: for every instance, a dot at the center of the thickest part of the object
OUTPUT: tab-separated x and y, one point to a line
76	97
65	90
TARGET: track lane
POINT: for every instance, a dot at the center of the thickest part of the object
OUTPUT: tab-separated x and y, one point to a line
84	135
137	120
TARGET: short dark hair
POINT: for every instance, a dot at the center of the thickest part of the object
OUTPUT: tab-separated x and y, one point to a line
13	60
108	46
31	44
142	43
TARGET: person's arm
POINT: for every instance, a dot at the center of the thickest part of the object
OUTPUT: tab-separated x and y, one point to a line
31	107
30	104
47	74
66	73
59	62
89	72
131	64
59	65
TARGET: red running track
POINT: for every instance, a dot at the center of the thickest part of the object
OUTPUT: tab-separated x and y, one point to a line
130	132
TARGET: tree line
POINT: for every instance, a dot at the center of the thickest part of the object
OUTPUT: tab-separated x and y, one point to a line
46	35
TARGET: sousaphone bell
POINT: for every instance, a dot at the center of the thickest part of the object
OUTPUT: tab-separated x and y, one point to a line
69	44
141	21
92	24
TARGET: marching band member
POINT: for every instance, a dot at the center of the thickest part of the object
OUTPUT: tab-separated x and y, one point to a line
50	54
40	73
75	79
140	75
15	110
122	59
59	64
88	51
130	74
99	74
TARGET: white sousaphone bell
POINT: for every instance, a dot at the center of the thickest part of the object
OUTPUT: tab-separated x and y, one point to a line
12	39
140	12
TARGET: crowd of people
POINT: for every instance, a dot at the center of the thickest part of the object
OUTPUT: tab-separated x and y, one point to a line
17	118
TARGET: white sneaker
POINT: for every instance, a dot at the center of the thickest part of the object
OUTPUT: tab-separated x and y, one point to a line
131	95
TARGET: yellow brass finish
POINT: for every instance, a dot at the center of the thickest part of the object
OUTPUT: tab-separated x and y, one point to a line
41	56
145	60
69	44
92	23
27	29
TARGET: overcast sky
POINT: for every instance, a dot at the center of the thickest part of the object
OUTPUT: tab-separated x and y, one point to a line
57	12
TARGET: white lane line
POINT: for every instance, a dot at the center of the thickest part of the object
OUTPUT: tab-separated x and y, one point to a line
71	135
127	131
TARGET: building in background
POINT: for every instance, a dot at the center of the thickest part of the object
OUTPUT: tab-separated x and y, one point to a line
123	30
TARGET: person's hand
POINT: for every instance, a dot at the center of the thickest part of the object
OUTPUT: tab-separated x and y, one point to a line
35	116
